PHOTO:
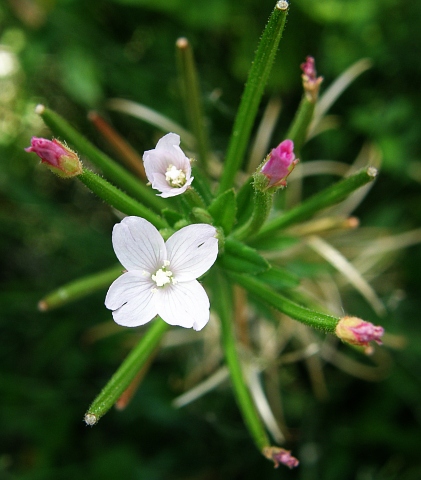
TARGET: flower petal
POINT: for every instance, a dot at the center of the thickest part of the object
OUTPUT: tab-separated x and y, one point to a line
169	140
192	251
138	245
132	300
184	304
173	191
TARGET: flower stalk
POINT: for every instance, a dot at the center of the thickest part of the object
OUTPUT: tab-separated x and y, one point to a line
262	205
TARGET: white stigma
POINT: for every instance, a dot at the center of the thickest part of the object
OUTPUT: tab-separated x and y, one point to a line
175	177
163	276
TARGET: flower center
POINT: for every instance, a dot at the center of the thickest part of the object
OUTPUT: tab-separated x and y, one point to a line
175	177
163	276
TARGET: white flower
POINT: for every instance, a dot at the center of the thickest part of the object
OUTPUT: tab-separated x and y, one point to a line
167	168
161	277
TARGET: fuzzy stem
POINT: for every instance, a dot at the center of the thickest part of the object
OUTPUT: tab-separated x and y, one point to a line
118	199
256	82
79	288
192	98
318	320
130	367
242	394
261	208
298	129
125	180
326	198
193	198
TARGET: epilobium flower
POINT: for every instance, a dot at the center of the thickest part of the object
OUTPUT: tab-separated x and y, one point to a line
278	165
280	456
358	332
161	277
57	156
167	168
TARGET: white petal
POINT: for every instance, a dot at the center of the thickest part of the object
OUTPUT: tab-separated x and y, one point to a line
184	304
168	141
138	245
172	192
192	251
132	300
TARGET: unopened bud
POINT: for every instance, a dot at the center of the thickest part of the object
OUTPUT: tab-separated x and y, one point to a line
57	156
355	331
277	166
280	456
311	82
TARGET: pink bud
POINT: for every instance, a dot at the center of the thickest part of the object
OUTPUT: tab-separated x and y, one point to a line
358	332
280	456
58	157
311	82
280	163
309	68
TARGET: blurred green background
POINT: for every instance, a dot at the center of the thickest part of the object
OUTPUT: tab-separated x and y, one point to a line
72	55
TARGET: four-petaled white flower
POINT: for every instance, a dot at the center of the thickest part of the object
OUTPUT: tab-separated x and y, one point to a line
167	168
161	276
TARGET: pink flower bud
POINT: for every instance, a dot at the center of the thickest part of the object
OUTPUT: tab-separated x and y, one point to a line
58	157
311	82
280	456
358	332
279	164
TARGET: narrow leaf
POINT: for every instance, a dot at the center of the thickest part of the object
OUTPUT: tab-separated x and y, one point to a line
242	259
223	210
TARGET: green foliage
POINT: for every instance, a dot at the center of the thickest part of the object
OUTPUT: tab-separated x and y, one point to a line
73	56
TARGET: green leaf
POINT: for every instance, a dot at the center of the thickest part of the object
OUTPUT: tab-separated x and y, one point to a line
279	278
245	202
223	210
275	242
242	259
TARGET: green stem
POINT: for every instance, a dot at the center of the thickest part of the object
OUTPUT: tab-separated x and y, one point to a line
193	198
241	391
298	130
326	198
261	208
118	199
79	288
192	98
114	172
262	291
257	79
127	371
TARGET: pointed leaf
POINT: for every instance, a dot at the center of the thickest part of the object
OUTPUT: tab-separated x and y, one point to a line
242	259
279	278
223	210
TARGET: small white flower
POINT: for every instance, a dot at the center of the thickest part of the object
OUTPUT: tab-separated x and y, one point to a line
167	168
161	277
